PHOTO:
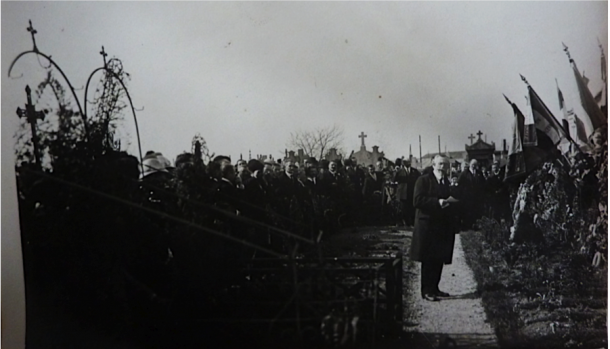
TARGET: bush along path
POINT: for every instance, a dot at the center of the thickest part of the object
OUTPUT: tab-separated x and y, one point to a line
458	321
539	295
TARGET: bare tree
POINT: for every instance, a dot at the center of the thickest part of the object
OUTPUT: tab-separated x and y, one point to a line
317	142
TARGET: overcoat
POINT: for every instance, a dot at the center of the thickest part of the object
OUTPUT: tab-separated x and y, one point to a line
406	183
435	227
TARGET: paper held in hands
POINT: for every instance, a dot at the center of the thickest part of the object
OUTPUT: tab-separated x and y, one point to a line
452	200
449	200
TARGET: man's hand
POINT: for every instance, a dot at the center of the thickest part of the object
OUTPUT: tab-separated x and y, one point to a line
444	203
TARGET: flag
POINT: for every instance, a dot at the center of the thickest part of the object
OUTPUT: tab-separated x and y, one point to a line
604	72
562	106
587	100
521	159
548	130
577	130
530	138
515	165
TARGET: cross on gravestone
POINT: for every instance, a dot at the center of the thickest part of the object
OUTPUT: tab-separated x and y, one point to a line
33	32
104	54
471	138
479	134
32	117
362	136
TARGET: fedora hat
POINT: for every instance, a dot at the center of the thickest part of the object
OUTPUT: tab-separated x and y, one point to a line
152	165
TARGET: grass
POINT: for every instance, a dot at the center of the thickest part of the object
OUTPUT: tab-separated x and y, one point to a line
538	297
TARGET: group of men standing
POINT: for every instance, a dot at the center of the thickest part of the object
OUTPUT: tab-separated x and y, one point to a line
320	194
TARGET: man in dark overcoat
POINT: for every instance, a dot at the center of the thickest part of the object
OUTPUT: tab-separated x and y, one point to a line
405	178
471	183
435	227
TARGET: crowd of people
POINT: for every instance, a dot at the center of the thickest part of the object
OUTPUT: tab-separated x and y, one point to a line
321	196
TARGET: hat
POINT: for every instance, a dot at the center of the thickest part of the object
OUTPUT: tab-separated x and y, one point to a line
151	154
269	162
255	165
152	165
165	161
398	162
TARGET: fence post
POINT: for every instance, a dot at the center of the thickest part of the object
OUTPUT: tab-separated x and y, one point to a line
399	284
390	288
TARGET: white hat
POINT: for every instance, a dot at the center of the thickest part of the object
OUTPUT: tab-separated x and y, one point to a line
165	161
152	165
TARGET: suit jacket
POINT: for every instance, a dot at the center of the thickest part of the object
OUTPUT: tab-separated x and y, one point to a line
371	184
330	185
405	183
470	185
435	227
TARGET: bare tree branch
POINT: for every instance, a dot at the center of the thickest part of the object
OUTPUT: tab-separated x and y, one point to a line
318	141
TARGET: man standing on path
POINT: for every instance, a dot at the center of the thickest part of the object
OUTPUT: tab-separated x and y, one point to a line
435	227
405	177
471	183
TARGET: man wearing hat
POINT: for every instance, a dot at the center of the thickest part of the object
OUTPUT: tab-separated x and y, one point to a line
405	178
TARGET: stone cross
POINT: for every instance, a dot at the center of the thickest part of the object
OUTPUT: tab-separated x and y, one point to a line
479	134
471	138
362	136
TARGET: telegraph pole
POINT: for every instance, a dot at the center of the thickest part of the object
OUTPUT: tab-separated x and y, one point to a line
439	144
32	117
420	163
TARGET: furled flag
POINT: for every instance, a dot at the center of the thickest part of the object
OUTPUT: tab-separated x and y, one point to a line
516	159
602	102
522	159
530	138
577	128
586	98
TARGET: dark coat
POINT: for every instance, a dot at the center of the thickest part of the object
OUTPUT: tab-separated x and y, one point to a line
405	183
435	227
371	185
331	185
471	185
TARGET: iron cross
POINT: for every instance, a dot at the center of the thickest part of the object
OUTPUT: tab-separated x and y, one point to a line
104	54
32	117
33	33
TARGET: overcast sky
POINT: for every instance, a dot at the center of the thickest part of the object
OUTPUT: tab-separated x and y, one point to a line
244	75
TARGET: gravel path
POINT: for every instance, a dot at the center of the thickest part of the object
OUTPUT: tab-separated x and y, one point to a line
461	317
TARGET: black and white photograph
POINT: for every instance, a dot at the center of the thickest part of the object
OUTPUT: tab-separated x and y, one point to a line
304	175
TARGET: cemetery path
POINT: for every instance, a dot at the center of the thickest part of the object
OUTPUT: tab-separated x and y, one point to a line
458	320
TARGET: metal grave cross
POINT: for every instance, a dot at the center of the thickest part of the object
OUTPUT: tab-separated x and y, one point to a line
33	32
479	134
104	54
32	117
